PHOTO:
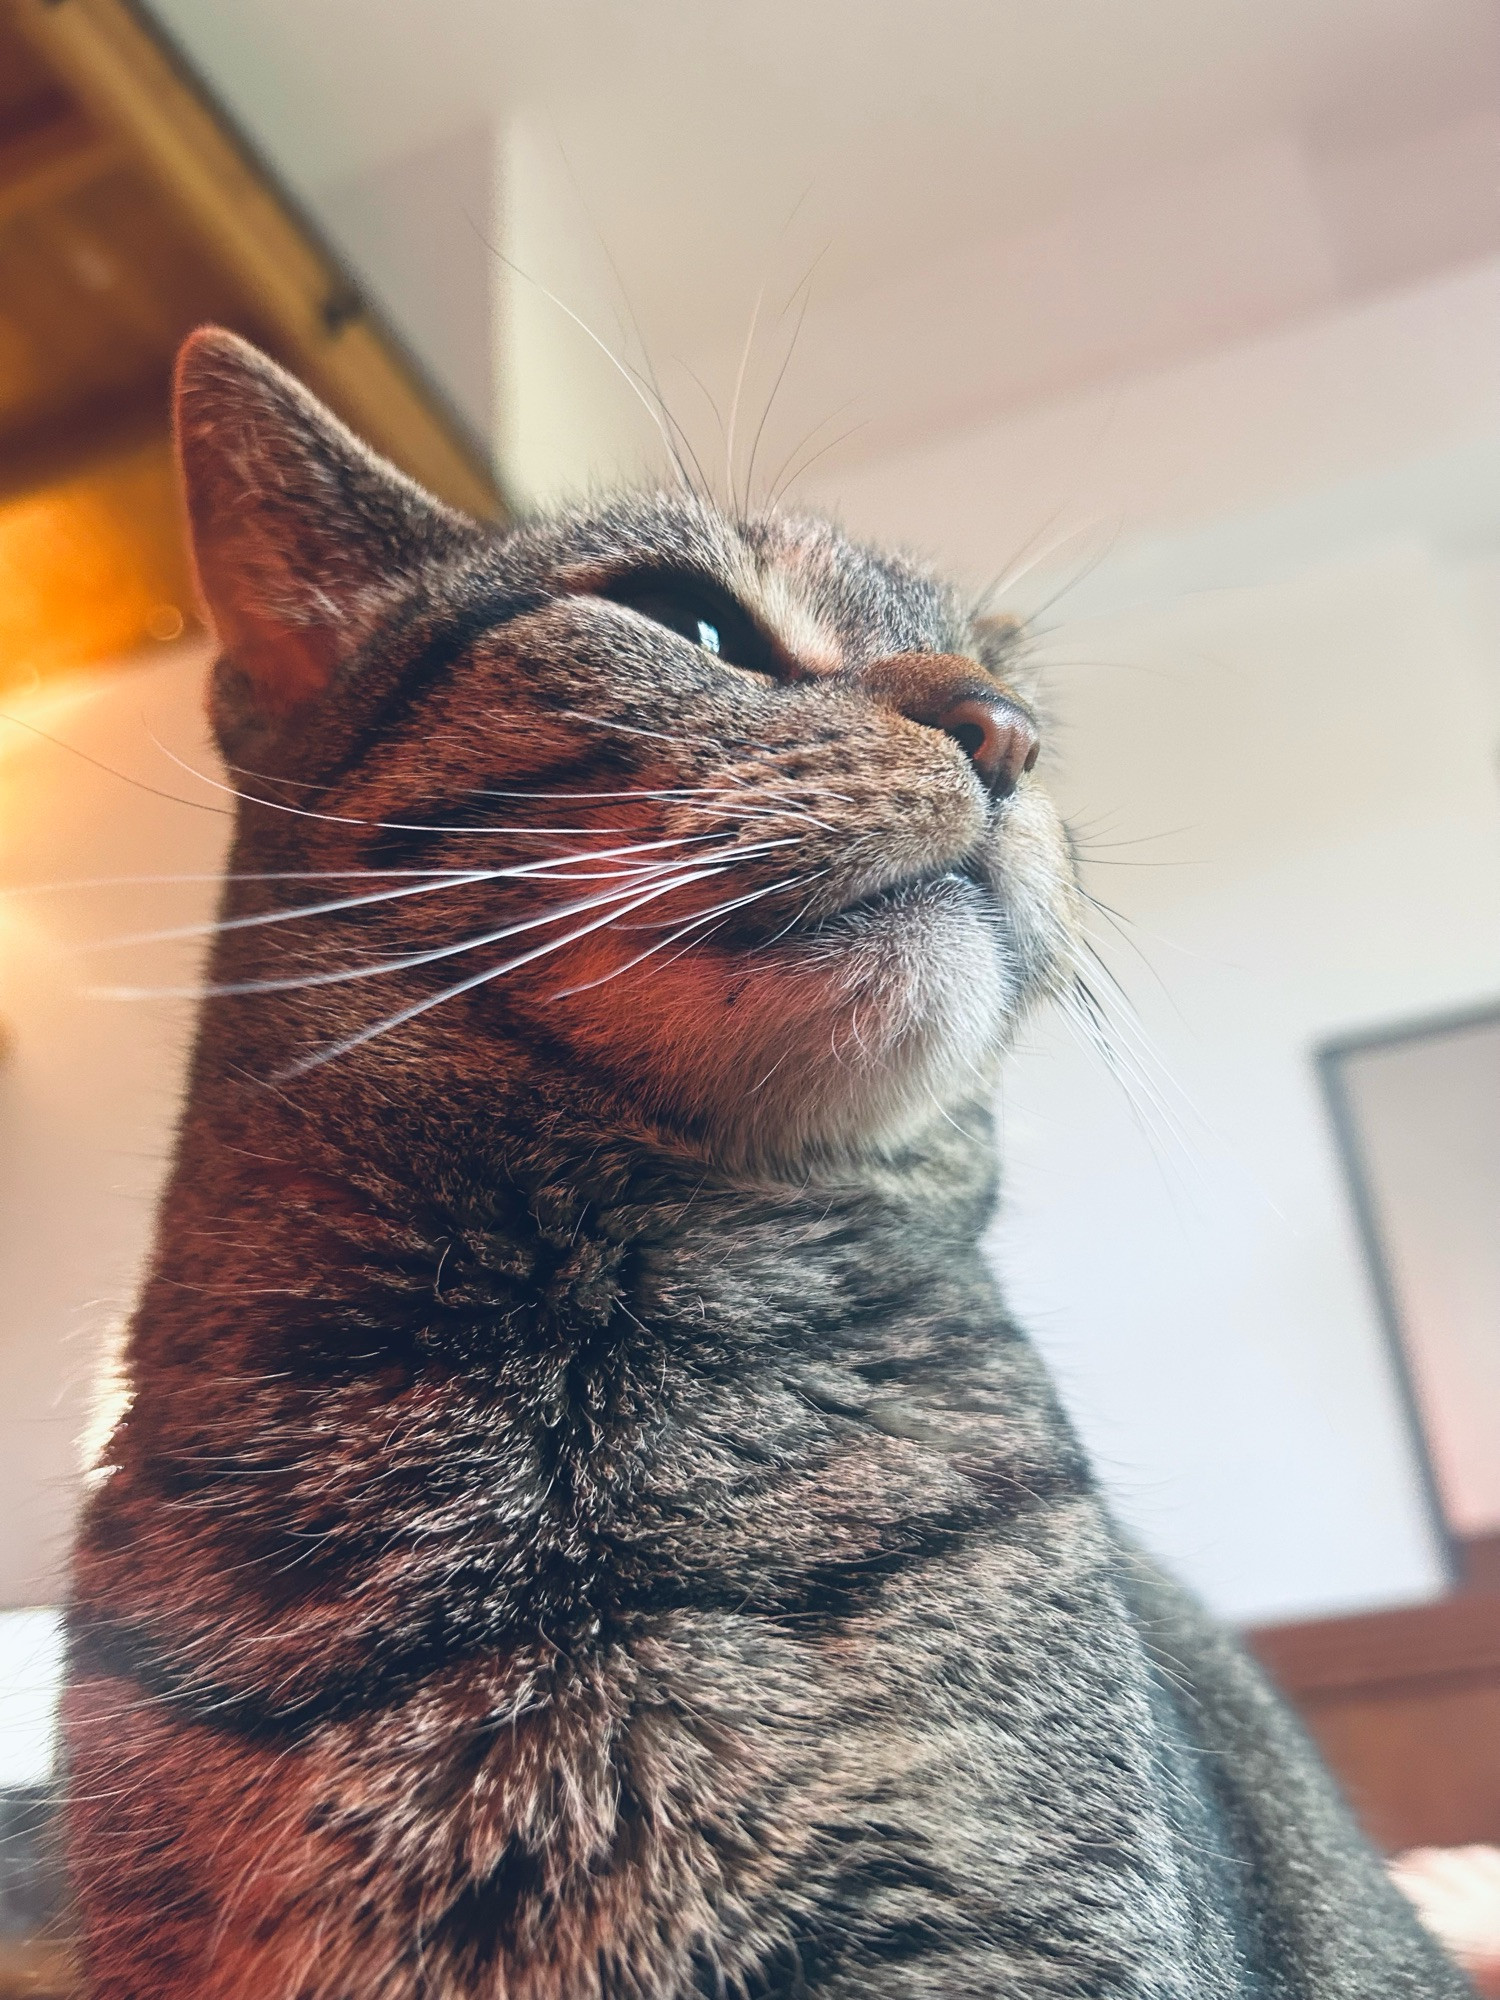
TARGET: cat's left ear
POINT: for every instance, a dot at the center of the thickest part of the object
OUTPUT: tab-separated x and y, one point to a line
302	538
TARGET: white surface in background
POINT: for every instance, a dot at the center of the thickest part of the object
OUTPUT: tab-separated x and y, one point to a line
31	1663
88	1092
1330	414
420	233
1289	794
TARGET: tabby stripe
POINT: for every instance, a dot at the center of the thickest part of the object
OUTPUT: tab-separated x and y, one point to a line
445	647
815	1605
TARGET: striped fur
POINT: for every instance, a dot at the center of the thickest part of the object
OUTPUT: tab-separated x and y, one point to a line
585	1528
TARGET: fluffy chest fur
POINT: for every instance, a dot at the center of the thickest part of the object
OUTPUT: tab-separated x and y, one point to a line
618	1610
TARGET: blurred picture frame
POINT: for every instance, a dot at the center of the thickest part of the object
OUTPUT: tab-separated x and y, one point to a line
1415	1110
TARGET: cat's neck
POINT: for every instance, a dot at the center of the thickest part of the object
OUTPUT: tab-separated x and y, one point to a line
482	1217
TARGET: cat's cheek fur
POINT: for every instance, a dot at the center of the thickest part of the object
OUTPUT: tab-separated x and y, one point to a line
842	1048
1029	872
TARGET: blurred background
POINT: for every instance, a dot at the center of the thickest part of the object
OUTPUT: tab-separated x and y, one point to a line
1178	326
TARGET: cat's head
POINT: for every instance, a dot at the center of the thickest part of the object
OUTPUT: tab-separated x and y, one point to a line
729	820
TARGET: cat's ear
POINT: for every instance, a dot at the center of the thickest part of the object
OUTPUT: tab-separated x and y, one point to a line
302	538
998	637
1000	645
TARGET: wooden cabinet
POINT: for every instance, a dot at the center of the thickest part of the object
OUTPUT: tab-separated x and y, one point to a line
1405	1706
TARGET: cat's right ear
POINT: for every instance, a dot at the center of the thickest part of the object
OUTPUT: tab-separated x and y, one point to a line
303	539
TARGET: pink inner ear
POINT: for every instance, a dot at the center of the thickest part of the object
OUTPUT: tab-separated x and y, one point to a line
289	664
252	600
268	476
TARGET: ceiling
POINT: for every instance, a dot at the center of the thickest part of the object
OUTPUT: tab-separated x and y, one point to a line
695	128
101	280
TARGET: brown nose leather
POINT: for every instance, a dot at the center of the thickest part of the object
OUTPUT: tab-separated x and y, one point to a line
947	692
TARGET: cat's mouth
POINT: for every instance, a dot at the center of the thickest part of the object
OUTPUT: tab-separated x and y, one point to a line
909	890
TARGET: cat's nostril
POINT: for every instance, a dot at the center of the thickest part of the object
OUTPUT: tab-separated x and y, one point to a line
948	691
996	735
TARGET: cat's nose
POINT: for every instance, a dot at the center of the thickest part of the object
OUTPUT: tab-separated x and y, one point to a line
996	733
947	692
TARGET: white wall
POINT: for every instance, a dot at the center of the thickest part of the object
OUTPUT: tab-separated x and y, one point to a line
570	416
1301	828
421	233
88	1090
1320	415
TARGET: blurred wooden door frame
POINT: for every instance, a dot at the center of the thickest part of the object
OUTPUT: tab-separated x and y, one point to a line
139	102
131	210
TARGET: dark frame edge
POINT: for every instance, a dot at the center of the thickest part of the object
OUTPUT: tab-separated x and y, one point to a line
1328	1060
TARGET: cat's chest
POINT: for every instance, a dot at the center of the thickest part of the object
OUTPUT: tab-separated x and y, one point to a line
713	1781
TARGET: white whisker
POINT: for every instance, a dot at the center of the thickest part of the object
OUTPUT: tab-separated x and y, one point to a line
627	373
476	979
717	911
797	915
558	914
629	729
805	288
414	826
739	384
1132	1069
354	819
744	803
214	875
534	870
218	875
288	916
561	869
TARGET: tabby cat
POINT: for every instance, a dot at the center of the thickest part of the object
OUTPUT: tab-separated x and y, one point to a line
585	1528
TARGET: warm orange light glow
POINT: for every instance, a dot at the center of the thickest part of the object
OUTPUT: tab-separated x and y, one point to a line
92	569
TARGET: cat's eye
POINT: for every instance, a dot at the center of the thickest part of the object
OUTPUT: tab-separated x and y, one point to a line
701	611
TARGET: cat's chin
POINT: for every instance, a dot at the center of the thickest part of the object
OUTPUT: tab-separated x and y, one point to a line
899	1008
855	1032
909	998
849	1039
